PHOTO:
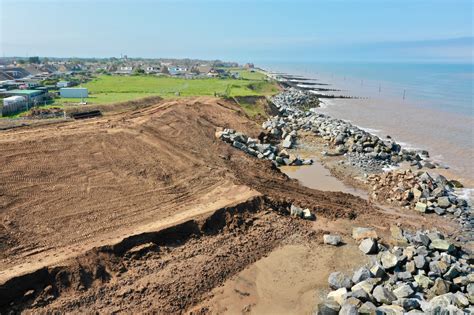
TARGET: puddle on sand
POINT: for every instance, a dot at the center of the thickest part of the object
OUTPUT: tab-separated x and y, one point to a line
316	176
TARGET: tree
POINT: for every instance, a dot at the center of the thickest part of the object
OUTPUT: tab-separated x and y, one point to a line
138	71
21	61
165	70
195	70
34	60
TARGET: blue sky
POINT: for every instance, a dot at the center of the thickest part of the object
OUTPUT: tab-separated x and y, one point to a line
381	30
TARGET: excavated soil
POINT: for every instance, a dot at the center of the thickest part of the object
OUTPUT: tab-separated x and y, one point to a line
145	210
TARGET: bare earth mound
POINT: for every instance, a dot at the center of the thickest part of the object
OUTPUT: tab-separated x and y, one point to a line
71	189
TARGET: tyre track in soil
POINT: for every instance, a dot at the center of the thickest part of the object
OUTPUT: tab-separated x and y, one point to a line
69	187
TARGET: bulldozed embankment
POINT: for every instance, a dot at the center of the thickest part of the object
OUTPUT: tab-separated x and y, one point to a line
69	189
167	270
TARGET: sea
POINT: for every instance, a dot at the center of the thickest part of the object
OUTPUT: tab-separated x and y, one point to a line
420	105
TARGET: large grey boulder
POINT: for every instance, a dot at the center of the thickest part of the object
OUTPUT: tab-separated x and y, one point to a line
348	309
422	239
361	274
378	271
452	272
383	295
403	291
368	308
420	262
461	300
438	267
332	239
328	308
404	275
366	285
410	304
441	300
339	280
296	211
442	245
337	295
421	207
286	144
423	281
440	287
369	246
443	202
308	215
388	260
390	310
361	295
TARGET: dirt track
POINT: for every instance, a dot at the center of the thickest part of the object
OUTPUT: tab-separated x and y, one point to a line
70	187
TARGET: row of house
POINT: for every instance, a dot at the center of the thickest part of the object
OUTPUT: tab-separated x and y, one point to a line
179	71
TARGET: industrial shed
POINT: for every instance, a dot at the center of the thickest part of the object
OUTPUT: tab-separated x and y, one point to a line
13	104
33	97
74	92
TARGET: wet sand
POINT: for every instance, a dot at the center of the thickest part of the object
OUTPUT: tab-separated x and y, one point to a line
291	280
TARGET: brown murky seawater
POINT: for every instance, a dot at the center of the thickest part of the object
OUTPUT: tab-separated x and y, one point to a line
316	176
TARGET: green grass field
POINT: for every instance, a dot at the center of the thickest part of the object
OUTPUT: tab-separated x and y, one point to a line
113	89
106	89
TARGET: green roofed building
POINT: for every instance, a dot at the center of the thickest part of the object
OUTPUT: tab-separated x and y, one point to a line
32	96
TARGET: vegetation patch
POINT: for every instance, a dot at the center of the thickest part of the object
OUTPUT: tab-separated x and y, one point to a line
113	89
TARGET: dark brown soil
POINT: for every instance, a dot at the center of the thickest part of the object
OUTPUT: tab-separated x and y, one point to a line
167	271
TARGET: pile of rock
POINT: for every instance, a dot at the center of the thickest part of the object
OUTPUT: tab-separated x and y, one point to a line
423	274
423	191
362	147
266	151
295	98
43	113
366	151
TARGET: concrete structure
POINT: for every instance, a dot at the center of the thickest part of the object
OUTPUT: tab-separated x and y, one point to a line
74	92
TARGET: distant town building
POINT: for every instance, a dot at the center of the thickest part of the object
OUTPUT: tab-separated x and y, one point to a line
32	97
13	104
204	69
177	70
249	66
74	92
12	73
152	69
124	70
62	84
212	73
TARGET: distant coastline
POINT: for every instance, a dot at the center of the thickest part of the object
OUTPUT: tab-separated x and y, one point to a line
446	132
